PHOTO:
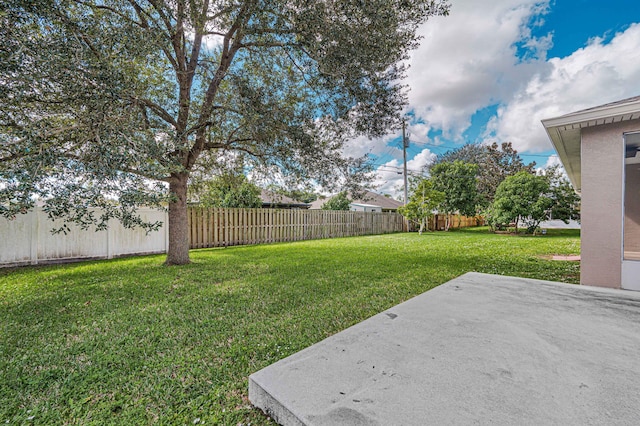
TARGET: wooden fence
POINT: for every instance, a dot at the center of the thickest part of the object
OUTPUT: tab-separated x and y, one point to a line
438	222
218	227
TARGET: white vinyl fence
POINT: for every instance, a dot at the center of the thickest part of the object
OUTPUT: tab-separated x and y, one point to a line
27	239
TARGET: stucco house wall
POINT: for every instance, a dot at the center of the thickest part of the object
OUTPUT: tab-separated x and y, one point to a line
601	209
591	146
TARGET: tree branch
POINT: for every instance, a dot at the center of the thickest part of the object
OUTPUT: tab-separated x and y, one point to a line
228	53
144	16
158	110
229	146
163	16
79	34
265	44
13	157
121	169
198	127
226	58
112	10
248	151
197	42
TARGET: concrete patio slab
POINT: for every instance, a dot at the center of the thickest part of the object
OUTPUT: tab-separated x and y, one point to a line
480	349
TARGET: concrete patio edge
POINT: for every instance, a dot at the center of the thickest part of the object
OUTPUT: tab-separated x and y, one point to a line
478	349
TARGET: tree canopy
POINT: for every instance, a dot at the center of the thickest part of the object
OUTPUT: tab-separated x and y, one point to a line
113	103
457	181
303	195
521	199
495	162
226	190
566	202
339	201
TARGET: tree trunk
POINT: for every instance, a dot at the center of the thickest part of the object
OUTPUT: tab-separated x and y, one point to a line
178	253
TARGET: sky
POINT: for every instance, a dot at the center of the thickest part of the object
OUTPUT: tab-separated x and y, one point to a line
492	69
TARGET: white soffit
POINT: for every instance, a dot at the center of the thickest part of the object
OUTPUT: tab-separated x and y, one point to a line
565	131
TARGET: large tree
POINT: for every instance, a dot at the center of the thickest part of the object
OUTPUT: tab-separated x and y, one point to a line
495	162
457	181
523	198
104	99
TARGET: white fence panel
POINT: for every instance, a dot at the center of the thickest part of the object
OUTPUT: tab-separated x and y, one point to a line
75	244
27	239
136	241
15	239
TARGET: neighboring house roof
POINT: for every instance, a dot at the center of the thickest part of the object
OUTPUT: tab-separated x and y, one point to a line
565	131
272	200
317	204
369	198
386	203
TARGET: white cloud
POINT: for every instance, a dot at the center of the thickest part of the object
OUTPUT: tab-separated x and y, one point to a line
389	176
553	160
422	159
212	41
469	60
594	75
484	55
419	133
362	145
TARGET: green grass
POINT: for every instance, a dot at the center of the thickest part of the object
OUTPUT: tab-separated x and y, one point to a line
130	341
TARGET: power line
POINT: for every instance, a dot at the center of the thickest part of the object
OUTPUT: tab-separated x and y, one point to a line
417	145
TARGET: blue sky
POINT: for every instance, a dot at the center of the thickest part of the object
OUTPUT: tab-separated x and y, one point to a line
494	68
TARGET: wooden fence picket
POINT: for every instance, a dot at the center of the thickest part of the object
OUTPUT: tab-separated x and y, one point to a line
220	227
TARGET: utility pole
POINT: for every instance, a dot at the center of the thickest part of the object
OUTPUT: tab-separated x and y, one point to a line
405	145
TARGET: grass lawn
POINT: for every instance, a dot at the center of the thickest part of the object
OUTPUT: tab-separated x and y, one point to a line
130	341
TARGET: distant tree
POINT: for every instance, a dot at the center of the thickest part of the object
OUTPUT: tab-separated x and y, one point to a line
339	201
457	180
566	202
422	202
302	195
523	198
495	162
226	190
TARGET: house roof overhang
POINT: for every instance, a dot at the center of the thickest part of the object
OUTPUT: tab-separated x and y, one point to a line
565	131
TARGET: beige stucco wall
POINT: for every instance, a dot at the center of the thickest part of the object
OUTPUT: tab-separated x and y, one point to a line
602	203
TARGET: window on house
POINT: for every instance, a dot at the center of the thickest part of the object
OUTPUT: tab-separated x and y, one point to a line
632	196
